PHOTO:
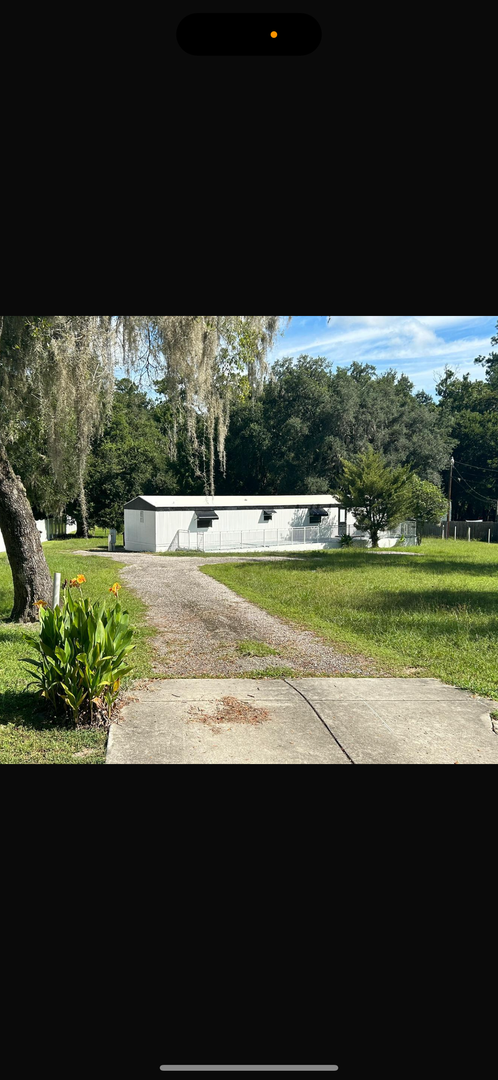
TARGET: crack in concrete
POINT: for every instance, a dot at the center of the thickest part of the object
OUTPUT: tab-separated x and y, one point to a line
324	722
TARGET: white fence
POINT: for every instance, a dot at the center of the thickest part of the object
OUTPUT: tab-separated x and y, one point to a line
262	539
487	531
257	540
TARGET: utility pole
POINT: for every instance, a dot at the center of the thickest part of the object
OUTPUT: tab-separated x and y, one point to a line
449	498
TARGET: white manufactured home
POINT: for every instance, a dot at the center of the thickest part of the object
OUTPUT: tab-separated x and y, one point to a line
236	523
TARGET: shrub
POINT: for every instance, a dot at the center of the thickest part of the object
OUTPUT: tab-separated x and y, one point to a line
82	652
346	541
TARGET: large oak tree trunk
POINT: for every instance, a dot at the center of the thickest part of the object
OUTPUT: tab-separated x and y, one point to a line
31	575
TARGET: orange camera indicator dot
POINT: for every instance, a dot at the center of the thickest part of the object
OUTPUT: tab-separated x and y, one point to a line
274	34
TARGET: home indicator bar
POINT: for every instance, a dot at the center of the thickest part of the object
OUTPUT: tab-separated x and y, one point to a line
249	1068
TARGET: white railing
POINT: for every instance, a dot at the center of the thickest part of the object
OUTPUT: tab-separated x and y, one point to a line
187	541
260	539
256	540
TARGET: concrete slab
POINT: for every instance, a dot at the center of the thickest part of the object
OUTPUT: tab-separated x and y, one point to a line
405	721
305	722
381	689
161	727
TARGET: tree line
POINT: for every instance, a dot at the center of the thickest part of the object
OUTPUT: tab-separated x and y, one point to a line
289	438
213	419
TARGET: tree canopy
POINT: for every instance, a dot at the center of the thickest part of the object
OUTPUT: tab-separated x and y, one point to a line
469	408
293	435
131	456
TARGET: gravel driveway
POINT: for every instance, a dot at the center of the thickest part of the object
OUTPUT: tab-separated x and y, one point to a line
200	623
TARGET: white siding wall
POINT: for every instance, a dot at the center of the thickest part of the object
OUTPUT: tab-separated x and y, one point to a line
168	524
140	536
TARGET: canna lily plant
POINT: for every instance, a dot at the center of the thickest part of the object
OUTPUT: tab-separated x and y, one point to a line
82	655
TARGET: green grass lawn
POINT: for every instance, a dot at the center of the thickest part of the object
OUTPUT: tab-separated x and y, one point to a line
435	615
26	738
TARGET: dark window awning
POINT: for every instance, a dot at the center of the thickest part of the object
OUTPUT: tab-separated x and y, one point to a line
319	511
207	515
270	510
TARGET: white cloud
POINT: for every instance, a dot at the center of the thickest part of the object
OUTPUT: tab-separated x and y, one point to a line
405	342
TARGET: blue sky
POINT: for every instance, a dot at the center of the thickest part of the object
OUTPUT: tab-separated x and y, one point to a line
416	345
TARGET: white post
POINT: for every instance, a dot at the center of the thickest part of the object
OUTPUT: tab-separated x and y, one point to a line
56	598
443	533
489	536
113	536
469	530
455	532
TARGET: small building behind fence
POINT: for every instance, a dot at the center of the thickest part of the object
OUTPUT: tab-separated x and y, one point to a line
53	528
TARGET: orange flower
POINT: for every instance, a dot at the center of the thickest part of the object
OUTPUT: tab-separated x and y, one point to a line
41	603
74	583
81	580
116	589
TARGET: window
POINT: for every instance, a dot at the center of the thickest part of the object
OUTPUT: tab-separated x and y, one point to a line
142	517
205	518
269	514
317	515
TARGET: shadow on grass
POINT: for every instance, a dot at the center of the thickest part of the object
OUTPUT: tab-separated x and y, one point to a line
92	550
99	550
12	635
23	709
384	563
435	602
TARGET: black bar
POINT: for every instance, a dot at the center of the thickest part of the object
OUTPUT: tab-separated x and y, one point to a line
249	35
